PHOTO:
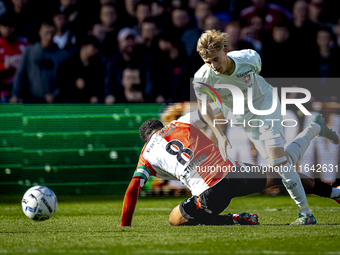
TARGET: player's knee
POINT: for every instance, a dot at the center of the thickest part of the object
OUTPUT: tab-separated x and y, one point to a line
172	219
176	218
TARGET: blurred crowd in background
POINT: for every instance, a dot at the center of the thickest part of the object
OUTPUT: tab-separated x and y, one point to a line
116	51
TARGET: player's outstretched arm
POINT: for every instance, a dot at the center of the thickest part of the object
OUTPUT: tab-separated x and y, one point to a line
130	201
223	141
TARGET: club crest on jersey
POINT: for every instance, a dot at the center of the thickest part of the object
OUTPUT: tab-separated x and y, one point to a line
247	79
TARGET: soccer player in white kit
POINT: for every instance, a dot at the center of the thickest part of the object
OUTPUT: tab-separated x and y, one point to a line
241	69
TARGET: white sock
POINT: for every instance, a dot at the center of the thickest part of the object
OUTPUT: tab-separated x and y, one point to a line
297	148
335	193
292	182
306	212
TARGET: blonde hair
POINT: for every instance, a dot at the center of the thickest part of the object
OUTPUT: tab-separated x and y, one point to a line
210	41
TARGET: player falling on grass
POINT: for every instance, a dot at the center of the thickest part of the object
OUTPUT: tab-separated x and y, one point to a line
241	69
180	151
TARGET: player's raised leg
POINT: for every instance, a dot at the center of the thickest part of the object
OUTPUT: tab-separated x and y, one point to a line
278	158
297	148
299	145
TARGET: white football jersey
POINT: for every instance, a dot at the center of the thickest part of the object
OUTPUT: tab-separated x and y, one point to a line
178	152
247	66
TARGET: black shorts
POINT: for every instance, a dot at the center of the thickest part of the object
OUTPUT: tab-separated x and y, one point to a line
214	200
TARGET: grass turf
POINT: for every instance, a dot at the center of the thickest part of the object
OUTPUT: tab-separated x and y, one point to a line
88	225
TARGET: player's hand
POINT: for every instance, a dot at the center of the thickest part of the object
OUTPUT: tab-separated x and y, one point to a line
94	100
160	99
223	142
14	99
110	99
49	98
80	83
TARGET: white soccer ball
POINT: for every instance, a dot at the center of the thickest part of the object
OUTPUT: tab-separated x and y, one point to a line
39	203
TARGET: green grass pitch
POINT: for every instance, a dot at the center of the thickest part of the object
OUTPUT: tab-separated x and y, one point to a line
87	225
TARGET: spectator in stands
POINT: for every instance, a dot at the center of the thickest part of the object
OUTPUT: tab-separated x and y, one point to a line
202	10
184	30
130	7
12	48
282	46
315	11
81	78
303	31
63	37
326	47
78	19
128	55
35	79
128	14
99	32
157	8
303	35
149	31
3	7
142	11
175	79
211	22
26	16
108	17
233	29
180	20
337	32
270	13
132	83
320	15
218	8
328	64
255	33
192	4
160	11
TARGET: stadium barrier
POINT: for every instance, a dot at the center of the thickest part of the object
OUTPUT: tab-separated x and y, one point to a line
73	149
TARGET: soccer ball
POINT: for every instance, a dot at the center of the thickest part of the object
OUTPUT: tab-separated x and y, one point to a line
39	203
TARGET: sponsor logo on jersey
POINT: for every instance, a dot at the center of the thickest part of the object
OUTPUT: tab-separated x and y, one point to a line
243	74
198	161
167	130
243	90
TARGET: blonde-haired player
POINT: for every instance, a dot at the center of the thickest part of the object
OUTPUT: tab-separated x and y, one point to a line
241	69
